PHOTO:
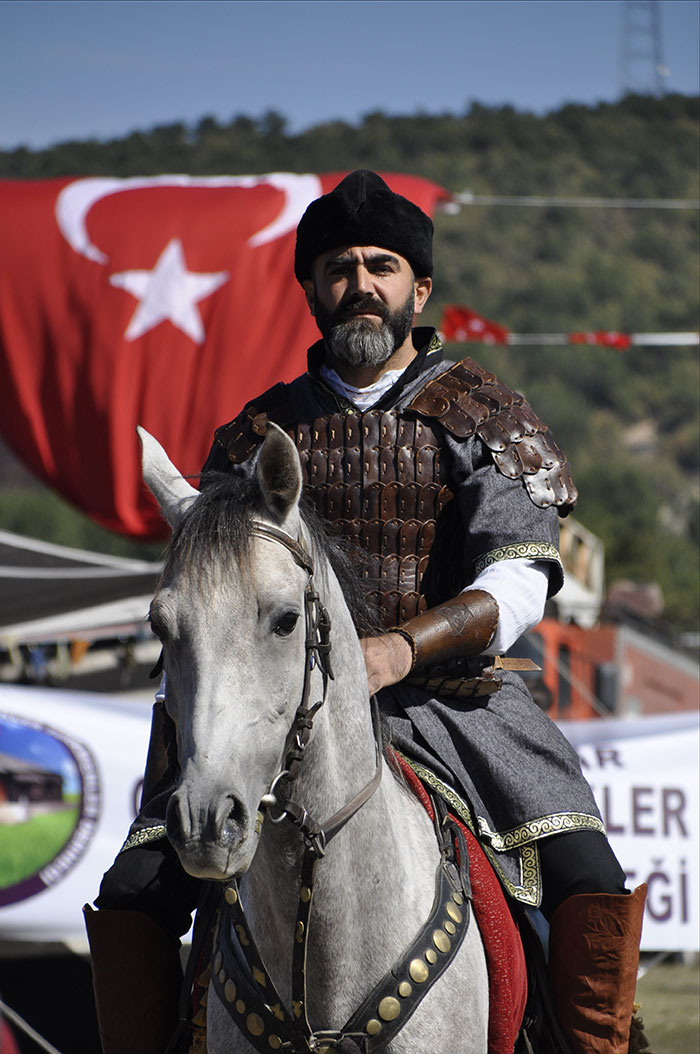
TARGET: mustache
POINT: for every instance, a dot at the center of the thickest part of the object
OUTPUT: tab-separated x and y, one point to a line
359	306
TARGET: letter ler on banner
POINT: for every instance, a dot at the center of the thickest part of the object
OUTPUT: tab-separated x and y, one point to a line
644	774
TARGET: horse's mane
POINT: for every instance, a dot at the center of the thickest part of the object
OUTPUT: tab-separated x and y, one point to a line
217	528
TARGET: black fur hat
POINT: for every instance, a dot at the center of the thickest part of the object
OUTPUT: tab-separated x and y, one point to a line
362	210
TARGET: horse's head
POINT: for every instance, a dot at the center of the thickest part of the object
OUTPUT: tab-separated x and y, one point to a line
229	610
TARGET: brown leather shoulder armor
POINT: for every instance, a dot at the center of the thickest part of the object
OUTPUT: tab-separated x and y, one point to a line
241	436
468	400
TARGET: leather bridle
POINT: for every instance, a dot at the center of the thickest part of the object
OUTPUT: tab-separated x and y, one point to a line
240	978
279	805
318	652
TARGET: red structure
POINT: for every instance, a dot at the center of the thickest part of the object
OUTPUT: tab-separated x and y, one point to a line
608	670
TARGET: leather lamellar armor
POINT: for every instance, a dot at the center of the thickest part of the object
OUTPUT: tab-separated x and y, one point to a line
379	478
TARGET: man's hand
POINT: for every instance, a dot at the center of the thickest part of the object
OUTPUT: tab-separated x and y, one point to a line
388	660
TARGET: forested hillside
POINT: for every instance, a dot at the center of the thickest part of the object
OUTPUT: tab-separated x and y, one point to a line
628	420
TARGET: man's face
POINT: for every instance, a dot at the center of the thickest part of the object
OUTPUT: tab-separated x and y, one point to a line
364	299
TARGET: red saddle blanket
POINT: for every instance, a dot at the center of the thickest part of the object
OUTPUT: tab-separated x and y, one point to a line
505	958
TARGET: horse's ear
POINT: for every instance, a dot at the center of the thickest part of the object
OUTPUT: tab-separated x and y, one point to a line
172	492
279	473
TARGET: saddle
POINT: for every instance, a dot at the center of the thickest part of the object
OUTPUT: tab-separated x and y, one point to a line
503	946
522	1019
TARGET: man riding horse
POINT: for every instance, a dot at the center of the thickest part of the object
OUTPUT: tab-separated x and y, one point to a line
448	488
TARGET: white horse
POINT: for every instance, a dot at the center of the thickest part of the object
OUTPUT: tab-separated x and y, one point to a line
231	610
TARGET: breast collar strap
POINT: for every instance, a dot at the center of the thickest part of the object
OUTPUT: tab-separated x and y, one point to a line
247	991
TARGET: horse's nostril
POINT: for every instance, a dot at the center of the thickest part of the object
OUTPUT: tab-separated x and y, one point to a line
236	814
227	817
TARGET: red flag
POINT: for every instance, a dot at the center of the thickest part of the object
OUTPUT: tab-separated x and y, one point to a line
603	338
165	301
461	324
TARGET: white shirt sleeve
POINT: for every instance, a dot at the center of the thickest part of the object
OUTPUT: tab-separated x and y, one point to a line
519	587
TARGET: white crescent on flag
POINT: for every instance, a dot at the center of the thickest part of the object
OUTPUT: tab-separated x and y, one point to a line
75	201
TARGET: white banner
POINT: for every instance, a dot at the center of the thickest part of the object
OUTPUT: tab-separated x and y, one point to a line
71	765
644	774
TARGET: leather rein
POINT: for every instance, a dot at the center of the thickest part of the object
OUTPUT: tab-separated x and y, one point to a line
240	978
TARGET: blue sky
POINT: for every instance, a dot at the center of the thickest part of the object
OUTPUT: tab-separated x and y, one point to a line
101	68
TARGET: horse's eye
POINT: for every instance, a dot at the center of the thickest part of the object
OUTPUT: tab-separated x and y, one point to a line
284	625
156	628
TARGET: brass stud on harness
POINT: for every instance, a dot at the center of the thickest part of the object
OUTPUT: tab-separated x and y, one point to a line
454	912
389	1008
373	1027
255	1025
441	941
418	971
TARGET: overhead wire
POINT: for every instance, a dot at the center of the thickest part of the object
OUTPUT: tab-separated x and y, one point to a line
466	197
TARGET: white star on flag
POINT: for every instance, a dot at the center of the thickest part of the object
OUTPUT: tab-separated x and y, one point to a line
170	292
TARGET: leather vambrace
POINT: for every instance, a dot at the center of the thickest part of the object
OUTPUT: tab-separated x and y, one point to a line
462	626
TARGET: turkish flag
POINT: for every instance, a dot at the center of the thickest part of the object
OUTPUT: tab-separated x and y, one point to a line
606	338
164	301
462	325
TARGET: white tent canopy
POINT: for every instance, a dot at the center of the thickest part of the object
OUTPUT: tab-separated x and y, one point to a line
54	593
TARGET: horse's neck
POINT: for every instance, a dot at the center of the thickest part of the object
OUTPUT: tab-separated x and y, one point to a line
374	886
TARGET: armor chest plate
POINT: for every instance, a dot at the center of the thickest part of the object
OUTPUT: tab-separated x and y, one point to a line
383	481
378	479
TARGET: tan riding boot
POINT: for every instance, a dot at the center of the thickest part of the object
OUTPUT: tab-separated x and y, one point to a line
136	976
592	971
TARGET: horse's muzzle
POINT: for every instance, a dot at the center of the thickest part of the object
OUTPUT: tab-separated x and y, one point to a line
209	834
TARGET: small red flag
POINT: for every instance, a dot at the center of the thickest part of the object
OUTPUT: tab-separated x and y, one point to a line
166	301
605	338
461	324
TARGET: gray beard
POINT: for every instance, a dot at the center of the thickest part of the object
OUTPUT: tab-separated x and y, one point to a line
360	342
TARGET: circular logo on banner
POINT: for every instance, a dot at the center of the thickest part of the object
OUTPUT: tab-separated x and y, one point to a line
49	805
